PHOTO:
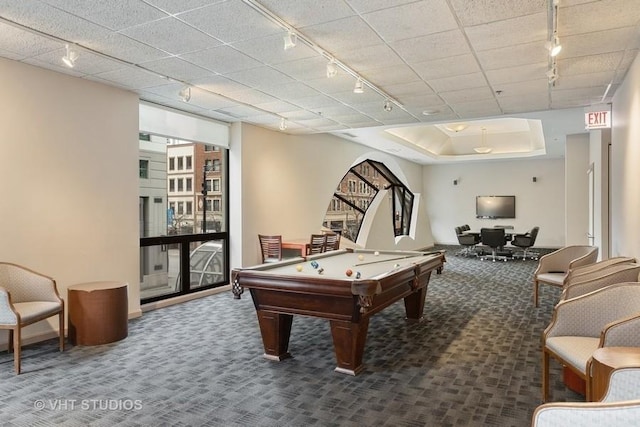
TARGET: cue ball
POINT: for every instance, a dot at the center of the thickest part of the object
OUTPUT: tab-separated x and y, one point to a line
396	265
299	267
348	272
376	253
360	257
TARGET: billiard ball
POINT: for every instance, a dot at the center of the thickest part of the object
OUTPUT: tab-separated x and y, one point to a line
314	264
299	267
348	272
320	270
396	265
376	253
358	275
360	257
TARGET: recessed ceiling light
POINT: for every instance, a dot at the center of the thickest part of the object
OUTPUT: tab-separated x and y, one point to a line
456	127
430	112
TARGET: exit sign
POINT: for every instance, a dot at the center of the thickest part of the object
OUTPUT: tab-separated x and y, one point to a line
597	119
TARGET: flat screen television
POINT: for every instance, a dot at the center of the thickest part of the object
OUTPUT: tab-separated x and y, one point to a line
495	207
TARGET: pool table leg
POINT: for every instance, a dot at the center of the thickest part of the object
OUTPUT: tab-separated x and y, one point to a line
414	305
349	339
276	330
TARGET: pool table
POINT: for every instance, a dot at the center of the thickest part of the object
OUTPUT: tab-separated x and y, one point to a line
319	286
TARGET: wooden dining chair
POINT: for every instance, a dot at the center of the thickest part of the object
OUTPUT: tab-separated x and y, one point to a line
317	244
333	242
271	247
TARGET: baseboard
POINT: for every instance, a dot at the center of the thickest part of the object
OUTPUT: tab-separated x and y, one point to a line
183	298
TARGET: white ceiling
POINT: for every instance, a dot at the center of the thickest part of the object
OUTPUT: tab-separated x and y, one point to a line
462	59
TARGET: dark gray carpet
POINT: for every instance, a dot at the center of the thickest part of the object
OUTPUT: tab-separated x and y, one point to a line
474	362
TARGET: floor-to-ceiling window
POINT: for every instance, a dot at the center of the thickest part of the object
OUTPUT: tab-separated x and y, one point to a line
183	217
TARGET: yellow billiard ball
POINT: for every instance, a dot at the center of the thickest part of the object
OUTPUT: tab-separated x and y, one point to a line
360	257
299	267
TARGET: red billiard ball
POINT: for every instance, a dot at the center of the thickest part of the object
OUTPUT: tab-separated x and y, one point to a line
348	272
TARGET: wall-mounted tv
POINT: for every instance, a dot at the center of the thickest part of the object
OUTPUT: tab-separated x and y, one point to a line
495	207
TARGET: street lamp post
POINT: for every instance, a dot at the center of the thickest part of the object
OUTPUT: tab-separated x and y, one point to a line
204	198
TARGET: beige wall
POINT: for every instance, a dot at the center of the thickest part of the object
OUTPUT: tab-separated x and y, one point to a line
68	179
538	203
625	170
282	184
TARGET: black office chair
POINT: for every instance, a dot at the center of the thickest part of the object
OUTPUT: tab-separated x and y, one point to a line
526	241
495	239
468	241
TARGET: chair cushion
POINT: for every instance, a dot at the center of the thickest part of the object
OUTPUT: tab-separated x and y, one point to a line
36	309
552	278
576	351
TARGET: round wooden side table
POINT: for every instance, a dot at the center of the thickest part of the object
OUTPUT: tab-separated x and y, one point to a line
98	312
605	360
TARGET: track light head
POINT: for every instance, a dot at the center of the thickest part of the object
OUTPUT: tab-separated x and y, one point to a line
332	69
283	124
70	57
552	75
358	88
185	94
554	46
388	106
289	40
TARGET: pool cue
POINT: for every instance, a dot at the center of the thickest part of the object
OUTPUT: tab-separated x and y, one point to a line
395	259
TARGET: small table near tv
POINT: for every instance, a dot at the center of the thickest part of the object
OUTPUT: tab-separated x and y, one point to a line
321	286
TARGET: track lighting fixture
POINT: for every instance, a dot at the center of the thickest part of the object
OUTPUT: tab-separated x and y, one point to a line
554	46
70	57
283	124
332	69
388	106
289	40
358	88
185	94
552	75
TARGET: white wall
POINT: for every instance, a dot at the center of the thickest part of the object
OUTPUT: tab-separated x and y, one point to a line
577	163
538	203
625	170
599	141
68	179
282	184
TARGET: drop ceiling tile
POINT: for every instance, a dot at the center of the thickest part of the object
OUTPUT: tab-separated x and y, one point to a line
589	64
9	55
585	80
178	6
298	115
423	102
270	49
132	77
336	110
481	12
433	46
122	47
517	104
377	112
575	97
171	35
526	88
219	84
369	57
408	21
357	120
231	21
276	106
318	122
356	99
597	16
240	111
599	42
311	68
364	6
57	67
342	35
445	67
24	44
252	97
340	83
261	77
410	88
468	95
513	56
127	13
315	103
298	14
520	30
290	90
520	73
176	68
391	75
87	62
221	59
467	81
486	107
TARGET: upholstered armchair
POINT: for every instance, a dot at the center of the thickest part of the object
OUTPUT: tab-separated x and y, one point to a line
554	267
27	297
594	268
620	407
604	318
584	283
